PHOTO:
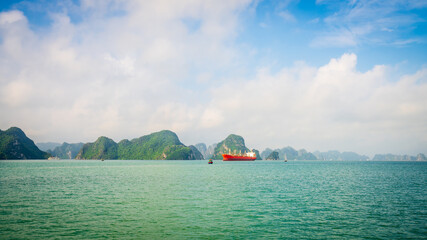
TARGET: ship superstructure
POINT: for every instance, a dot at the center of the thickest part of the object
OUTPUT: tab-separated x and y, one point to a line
249	156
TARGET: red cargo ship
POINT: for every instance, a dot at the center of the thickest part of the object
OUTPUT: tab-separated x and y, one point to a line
250	156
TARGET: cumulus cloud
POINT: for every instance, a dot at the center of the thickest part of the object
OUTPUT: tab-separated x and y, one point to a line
123	71
333	106
133	67
11	17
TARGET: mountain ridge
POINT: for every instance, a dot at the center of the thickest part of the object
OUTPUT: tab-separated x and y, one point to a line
162	145
14	144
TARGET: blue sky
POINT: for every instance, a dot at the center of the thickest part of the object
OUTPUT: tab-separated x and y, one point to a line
289	31
320	75
381	33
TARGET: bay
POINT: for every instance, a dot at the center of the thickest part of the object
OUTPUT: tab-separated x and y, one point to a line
226	200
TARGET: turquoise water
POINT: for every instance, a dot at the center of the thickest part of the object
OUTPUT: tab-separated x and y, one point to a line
226	200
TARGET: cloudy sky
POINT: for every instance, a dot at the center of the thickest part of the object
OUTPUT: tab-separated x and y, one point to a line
320	75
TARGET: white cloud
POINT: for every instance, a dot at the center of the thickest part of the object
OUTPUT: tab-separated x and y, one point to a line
143	69
120	75
337	38
314	21
287	16
16	93
333	106
11	17
358	22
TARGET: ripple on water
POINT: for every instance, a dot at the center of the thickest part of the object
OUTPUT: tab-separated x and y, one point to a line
191	199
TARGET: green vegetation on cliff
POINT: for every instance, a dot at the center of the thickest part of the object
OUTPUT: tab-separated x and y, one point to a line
163	145
157	145
197	154
14	144
232	144
102	148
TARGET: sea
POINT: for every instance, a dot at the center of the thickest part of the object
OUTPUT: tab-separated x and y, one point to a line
118	199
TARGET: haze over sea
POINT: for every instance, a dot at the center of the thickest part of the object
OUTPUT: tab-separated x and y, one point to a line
191	199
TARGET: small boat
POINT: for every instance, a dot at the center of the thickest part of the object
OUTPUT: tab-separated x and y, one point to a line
210	161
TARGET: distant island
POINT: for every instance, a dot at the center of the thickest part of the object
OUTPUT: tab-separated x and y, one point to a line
289	153
234	144
392	157
45	146
273	156
340	156
207	152
66	150
14	144
165	145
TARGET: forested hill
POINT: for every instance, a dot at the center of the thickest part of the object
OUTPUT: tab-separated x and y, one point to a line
14	144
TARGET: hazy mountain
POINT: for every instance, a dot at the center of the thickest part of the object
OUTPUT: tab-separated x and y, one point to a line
338	156
304	155
393	157
266	153
273	156
44	146
160	145
210	151
66	150
290	154
201	147
196	153
421	157
258	156
14	144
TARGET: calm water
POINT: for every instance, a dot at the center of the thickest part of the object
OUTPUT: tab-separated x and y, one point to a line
231	200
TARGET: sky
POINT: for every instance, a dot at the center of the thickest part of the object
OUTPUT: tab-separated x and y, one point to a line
319	75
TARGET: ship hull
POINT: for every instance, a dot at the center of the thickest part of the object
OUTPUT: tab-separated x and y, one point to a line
228	157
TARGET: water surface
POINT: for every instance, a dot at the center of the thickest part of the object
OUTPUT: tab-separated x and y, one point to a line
231	200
